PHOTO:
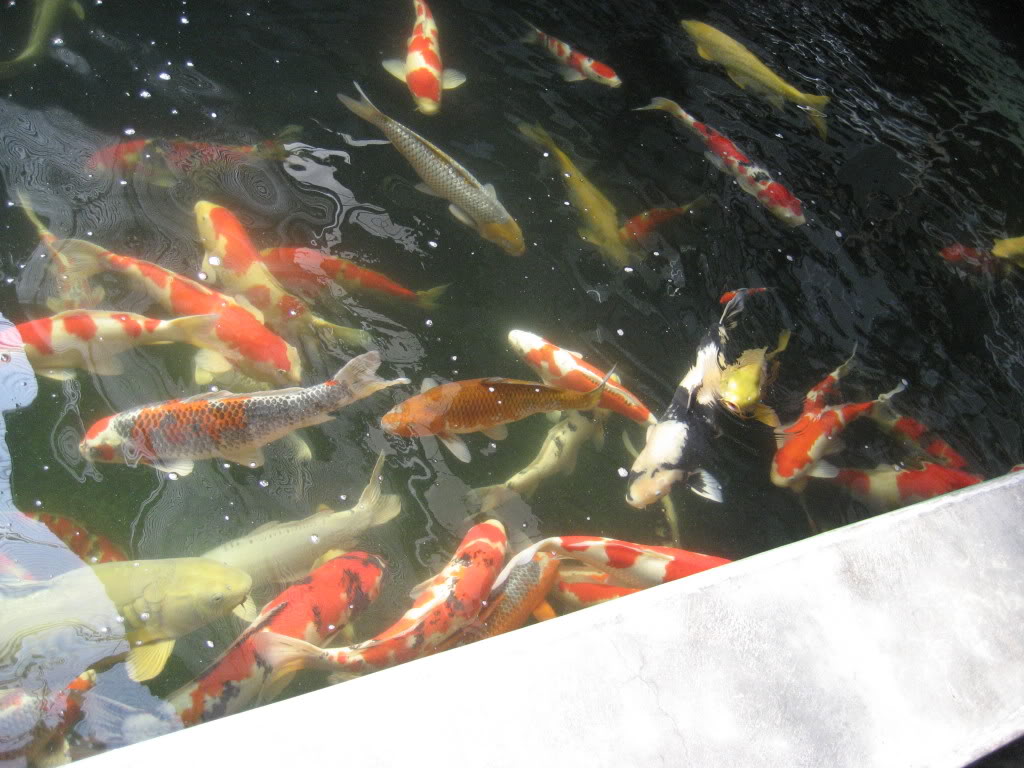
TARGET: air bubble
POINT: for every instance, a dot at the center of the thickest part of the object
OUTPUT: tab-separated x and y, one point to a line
264	483
623	472
129	131
145	94
429	323
314	538
164	76
214	260
170	476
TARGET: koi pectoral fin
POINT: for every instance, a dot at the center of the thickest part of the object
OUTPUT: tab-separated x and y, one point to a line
462	216
571	75
147	661
704	484
251	457
395	68
452	78
179	467
497	432
457	446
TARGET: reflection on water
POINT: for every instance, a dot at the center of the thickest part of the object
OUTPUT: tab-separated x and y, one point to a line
112	128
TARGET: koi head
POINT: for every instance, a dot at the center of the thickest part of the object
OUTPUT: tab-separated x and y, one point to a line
102	443
783	204
741	384
200	591
506	234
527	345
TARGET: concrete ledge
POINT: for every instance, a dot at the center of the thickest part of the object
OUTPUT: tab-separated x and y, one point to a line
892	642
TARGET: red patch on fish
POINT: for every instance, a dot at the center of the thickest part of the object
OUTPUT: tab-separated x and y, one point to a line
38	333
80	325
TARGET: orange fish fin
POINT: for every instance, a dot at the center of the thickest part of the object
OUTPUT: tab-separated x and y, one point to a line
497	432
544	611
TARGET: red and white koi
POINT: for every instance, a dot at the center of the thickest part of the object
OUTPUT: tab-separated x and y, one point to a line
314	610
575	66
173	435
582	587
91	547
814	435
919	436
727	157
422	70
630	564
244	341
309	271
93	340
891	488
565	369
446	604
233	261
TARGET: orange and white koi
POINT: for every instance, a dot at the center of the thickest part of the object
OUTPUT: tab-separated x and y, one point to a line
474	204
479	405
582	586
422	70
308	271
575	66
91	547
244	341
235	263
727	157
891	488
918	435
314	610
446	604
93	340
630	564
728	296
640	227
173	435
566	369
814	435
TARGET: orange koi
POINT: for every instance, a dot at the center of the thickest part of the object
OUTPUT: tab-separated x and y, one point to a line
308	271
314	610
643	224
446	604
91	547
480	405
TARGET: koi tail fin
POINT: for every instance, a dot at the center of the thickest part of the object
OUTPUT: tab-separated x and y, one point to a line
286	656
537	135
75	262
532	35
364	107
375	506
816	114
45	235
428	299
351	336
197	330
666	105
359	375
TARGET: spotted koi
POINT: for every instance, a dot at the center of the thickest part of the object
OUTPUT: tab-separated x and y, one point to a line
314	610
727	157
575	66
233	261
171	436
309	271
422	70
891	488
91	547
244	341
568	370
446	604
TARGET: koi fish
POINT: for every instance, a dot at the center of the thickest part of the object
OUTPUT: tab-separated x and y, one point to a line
557	454
814	435
90	547
641	226
575	66
422	70
93	340
917	435
308	271
171	436
281	552
479	405
244	341
630	564
974	259
727	157
46	14
474	204
234	261
675	444
747	71
582	587
446	604
728	296
600	218
522	595
890	488
565	369
314	611
35	723
1011	249
742	383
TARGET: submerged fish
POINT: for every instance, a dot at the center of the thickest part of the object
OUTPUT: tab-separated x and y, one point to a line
918	436
1011	249
741	384
479	405
583	586
643	224
234	261
747	71
575	66
566	369
91	547
472	203
890	488
245	342
600	218
173	435
422	70
93	340
446	603
46	14
309	271
727	157
280	552
314	610
973	259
